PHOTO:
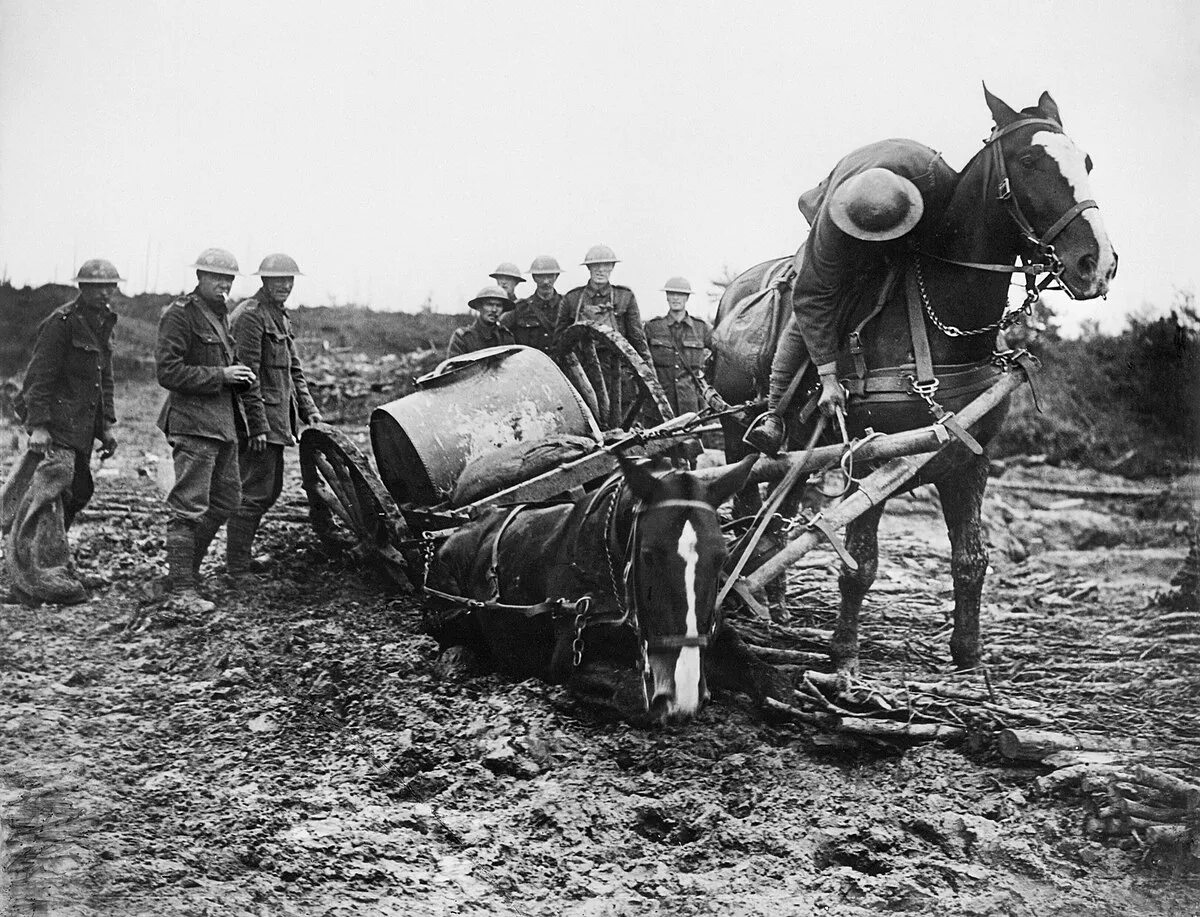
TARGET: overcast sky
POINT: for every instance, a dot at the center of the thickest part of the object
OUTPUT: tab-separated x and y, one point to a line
399	150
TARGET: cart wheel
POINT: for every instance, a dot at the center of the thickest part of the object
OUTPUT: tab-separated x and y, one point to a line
350	509
583	340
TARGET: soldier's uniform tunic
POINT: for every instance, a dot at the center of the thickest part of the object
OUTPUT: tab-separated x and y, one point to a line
275	404
68	387
680	350
532	321
202	418
615	307
477	336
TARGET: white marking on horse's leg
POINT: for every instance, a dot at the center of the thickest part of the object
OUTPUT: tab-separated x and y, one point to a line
1072	163
687	667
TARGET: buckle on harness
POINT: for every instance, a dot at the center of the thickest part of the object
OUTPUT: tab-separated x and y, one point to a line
1004	191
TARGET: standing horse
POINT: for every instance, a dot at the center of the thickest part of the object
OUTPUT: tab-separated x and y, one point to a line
619	582
1024	194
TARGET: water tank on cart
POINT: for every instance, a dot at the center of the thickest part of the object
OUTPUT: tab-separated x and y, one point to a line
468	406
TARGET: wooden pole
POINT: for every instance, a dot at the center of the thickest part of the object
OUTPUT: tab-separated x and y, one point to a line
879	485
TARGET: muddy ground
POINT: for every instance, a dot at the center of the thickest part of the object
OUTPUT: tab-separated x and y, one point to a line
301	753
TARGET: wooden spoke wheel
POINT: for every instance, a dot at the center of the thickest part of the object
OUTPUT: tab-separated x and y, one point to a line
350	509
587	347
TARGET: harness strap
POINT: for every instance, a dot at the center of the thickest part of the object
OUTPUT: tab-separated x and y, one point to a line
493	571
922	355
819	523
1065	220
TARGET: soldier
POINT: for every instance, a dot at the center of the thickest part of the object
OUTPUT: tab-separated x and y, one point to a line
485	331
605	304
680	345
276	403
66	403
532	321
203	420
508	277
861	215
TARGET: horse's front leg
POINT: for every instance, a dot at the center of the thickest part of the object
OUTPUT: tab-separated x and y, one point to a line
863	544
961	493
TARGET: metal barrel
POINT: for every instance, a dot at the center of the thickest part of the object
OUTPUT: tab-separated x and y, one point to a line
468	407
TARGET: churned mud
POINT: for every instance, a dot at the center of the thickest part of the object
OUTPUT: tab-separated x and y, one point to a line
302	752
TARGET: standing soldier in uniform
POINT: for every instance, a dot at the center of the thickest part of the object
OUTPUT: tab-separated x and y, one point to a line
202	419
508	277
612	306
276	403
486	330
532	321
680	345
67	403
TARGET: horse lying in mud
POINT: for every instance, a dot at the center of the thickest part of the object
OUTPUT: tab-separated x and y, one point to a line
939	299
612	594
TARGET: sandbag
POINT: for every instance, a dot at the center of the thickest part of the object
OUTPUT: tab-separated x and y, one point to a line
492	472
36	551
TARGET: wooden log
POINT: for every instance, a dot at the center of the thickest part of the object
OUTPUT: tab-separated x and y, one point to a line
1156	835
1036	744
1080	490
1123	807
1071	758
787	657
1187	793
788	711
880	484
1068	777
889	729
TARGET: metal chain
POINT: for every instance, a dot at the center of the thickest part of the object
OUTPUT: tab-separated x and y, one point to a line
1010	316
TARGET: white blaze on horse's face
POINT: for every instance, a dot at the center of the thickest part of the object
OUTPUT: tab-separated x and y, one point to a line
1091	270
688	667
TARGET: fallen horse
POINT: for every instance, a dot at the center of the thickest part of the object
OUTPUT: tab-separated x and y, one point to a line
612	593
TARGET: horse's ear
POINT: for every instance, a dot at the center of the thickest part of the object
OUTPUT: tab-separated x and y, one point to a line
731	481
1049	108
638	477
1002	113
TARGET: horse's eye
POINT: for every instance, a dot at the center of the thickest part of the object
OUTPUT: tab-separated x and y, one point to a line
1087	164
1030	159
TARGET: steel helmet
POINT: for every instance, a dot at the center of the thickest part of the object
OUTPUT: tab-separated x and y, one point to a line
217	261
677	285
508	269
876	205
600	254
489	292
278	265
545	264
97	270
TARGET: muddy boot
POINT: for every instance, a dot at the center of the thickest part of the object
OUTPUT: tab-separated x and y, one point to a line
181	572
768	431
206	531
240	534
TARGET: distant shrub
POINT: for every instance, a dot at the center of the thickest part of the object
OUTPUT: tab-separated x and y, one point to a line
1105	398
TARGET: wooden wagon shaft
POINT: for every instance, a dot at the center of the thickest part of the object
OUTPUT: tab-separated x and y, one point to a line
879	485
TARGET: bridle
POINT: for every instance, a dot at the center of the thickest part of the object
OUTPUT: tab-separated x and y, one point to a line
1047	261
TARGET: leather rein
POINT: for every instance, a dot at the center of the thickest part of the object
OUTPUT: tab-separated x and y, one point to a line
1050	264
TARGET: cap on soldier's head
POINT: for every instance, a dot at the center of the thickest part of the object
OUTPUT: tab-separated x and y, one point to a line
217	261
600	254
97	270
876	205
545	264
508	269
677	285
489	292
278	265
